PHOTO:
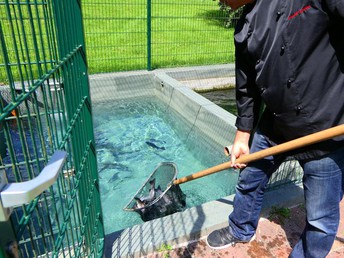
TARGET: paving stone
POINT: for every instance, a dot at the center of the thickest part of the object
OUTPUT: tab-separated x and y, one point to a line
274	239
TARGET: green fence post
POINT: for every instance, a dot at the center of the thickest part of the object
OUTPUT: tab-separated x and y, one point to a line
149	35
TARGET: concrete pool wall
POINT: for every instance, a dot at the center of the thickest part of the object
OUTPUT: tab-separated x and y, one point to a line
202	115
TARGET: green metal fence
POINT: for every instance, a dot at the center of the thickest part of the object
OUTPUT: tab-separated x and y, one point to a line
149	34
45	107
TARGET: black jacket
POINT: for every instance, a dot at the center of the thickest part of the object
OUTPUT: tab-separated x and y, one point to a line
290	56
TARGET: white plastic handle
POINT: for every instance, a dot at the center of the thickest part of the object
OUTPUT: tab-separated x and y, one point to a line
16	194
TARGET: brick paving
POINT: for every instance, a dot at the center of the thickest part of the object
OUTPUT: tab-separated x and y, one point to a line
275	238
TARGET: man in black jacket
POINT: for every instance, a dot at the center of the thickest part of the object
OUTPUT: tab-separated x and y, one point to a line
289	57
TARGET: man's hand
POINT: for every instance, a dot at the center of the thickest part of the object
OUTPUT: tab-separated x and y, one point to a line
240	147
235	4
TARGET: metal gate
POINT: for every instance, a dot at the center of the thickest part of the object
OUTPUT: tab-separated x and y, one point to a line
49	193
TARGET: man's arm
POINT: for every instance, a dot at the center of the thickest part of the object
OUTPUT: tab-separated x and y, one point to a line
247	94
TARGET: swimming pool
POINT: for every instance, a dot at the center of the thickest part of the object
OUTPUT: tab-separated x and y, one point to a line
132	137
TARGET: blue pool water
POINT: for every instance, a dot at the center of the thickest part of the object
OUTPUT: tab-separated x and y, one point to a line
132	138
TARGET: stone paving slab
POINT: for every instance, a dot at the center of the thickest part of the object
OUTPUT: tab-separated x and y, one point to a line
210	84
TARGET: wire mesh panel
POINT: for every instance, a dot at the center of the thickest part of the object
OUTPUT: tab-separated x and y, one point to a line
189	33
149	34
115	33
45	106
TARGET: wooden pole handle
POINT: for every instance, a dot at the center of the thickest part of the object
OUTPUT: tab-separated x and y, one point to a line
278	149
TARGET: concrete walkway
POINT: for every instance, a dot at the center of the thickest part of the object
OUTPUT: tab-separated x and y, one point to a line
275	238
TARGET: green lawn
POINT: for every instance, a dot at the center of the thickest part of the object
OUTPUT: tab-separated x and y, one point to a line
183	33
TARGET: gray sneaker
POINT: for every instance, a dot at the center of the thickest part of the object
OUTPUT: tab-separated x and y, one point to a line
221	239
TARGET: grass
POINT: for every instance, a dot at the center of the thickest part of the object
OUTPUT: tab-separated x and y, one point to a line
183	33
164	249
279	214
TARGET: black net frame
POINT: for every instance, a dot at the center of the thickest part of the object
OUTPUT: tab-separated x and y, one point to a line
158	196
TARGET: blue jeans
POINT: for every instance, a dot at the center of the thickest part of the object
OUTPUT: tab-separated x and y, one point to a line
323	183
